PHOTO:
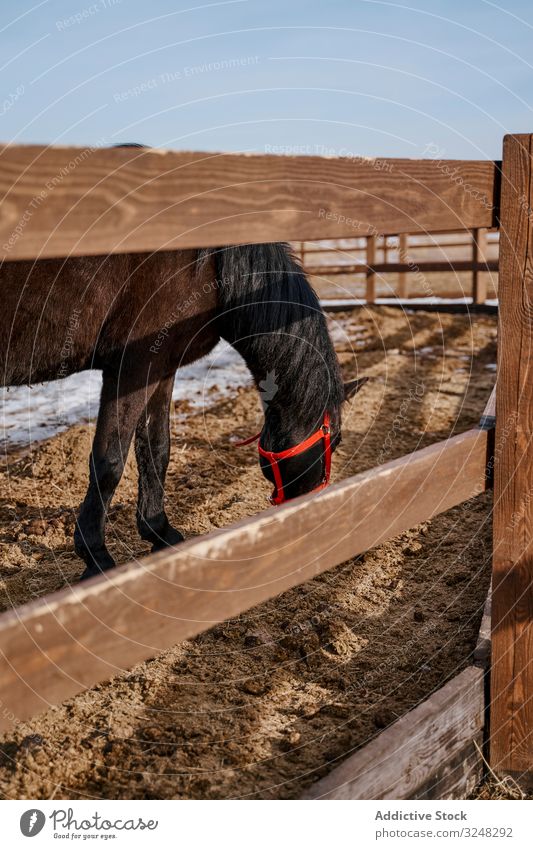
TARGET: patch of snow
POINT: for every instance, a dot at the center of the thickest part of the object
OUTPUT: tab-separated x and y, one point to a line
214	377
342	331
32	413
433	299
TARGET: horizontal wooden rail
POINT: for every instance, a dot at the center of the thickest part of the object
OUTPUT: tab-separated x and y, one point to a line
333	249
71	201
439	245
399	267
57	646
362	248
429	753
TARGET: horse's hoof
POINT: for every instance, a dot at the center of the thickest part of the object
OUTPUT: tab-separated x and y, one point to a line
97	567
172	537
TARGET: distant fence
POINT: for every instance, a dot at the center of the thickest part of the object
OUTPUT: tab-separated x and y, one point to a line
375	257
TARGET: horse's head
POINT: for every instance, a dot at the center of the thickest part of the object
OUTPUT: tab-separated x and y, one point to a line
270	313
304	465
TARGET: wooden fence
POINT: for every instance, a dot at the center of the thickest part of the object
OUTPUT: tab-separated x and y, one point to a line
334	257
63	202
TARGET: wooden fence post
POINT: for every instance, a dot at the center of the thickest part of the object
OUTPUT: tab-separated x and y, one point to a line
402	256
370	274
511	719
479	283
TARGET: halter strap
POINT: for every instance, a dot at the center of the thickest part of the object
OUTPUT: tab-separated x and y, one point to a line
273	457
248	441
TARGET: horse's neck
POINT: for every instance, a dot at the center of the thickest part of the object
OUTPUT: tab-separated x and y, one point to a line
271	315
293	403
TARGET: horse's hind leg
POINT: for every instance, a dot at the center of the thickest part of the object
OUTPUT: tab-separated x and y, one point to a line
152	449
121	404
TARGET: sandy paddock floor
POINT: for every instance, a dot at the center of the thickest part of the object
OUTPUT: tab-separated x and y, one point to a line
262	705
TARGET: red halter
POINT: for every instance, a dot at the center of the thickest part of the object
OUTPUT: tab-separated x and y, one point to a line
323	432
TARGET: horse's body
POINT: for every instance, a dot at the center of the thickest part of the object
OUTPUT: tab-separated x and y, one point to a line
62	316
139	318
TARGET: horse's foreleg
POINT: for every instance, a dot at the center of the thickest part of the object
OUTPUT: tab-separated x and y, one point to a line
121	405
152	449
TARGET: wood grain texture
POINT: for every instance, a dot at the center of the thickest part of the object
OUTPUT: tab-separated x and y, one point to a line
427	754
57	646
73	201
511	739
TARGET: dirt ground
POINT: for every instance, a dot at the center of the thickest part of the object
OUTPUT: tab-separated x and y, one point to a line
263	705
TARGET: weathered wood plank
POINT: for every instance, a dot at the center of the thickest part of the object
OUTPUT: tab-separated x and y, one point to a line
57	646
427	754
511	738
72	201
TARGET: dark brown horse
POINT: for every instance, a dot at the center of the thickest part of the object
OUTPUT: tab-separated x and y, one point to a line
139	318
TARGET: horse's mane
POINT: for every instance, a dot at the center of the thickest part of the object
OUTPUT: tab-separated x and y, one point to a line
269	312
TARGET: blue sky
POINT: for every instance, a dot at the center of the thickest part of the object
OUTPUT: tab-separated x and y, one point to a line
368	77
